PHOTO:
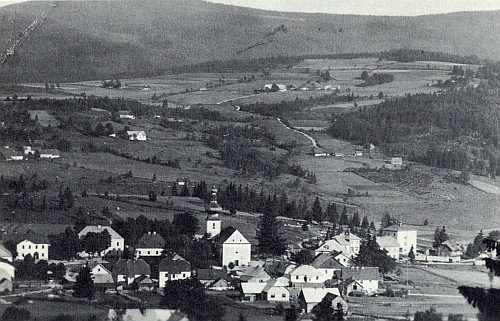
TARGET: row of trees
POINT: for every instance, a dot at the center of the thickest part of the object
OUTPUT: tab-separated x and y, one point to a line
376	79
437	130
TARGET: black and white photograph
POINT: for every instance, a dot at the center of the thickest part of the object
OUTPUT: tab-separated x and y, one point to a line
249	160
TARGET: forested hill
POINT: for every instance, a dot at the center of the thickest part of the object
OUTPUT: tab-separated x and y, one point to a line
455	130
100	39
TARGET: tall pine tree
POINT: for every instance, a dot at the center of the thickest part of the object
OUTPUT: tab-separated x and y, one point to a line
84	286
269	235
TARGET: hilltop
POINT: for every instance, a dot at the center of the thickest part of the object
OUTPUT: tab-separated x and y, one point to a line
81	40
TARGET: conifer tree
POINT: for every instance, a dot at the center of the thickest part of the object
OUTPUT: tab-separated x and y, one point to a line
84	286
317	210
343	219
269	235
365	224
486	300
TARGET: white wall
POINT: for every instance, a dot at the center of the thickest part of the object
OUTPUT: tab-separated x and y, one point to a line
236	253
27	247
149	251
164	277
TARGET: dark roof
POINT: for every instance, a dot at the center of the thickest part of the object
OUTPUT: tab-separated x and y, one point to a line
174	266
326	261
224	234
131	267
151	240
360	273
36	238
211	274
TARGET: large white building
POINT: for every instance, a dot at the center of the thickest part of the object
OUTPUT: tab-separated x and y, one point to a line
150	244
35	245
405	235
234	247
117	241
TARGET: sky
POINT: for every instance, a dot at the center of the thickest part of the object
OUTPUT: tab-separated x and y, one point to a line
362	7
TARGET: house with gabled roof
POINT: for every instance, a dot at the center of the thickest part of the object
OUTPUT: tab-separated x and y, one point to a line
100	273
404	234
310	297
276	290
150	244
329	246
368	277
233	246
127	271
327	263
5	254
252	291
173	268
117	241
255	274
7	274
213	279
349	242
390	244
307	276
36	245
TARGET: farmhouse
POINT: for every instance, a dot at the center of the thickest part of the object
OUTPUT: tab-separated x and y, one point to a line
5	254
7	275
326	263
215	279
390	244
255	274
101	274
309	298
34	244
346	243
136	135
150	244
276	290
367	277
117	241
252	291
124	114
234	247
173	268
405	235
450	250
307	276
12	155
128	271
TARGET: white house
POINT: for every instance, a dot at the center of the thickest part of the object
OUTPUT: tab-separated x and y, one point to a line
117	241
234	247
307	276
346	243
150	244
5	254
124	114
252	291
7	274
136	135
310	297
405	235
34	244
276	290
367	277
327	264
390	244
100	273
174	268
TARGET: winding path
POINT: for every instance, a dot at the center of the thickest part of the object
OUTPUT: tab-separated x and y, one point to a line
313	141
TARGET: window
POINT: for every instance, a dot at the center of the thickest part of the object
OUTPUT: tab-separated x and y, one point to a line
43	254
29	246
273	295
149	252
139	252
36	247
43	246
236	252
98	269
296	277
213	226
166	274
283	295
400	249
317	277
156	252
117	243
183	275
23	247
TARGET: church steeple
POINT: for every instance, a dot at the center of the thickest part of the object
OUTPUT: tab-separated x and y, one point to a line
213	209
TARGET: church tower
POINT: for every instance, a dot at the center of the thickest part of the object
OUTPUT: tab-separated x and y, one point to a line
213	209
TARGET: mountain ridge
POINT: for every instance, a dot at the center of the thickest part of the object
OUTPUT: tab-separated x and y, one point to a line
99	39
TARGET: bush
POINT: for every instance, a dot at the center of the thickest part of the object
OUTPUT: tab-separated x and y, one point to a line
15	314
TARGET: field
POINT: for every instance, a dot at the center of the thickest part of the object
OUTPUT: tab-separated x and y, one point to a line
410	196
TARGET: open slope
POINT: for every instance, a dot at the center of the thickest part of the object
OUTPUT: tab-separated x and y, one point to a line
100	39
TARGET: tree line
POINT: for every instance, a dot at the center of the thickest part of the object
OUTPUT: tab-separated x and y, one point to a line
434	129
